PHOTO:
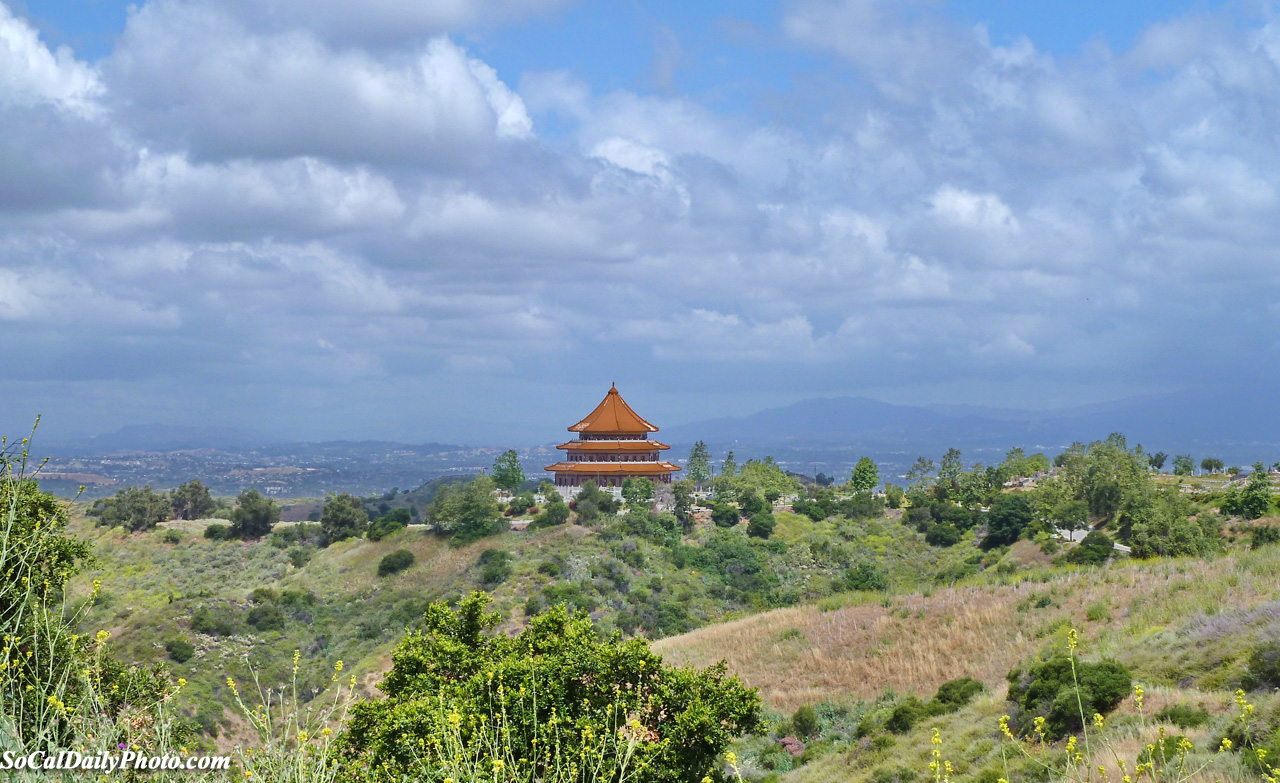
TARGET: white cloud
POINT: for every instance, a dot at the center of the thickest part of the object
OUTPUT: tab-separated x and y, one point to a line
31	74
194	77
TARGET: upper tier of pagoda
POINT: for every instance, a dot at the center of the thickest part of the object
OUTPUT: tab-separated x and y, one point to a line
613	414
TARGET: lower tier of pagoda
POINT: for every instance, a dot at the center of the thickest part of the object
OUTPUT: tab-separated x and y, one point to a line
613	468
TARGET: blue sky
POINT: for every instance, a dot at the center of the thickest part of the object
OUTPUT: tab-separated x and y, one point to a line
460	221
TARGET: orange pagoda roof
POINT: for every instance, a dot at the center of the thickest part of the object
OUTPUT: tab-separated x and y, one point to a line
613	414
613	468
613	445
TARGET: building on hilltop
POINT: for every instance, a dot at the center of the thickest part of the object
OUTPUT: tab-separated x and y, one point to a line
613	445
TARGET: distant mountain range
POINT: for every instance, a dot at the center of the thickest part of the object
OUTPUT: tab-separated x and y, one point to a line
1239	427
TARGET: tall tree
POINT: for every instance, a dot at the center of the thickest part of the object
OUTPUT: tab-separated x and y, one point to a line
865	476
1156	461
637	492
682	503
254	515
466	511
343	517
192	501
135	508
698	469
950	471
729	467
920	476
1211	465
507	473
1183	465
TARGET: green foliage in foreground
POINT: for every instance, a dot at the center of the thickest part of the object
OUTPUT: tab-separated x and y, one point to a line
556	682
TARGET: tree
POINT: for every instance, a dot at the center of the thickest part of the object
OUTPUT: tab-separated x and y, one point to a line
1183	465
466	512
192	501
458	670
750	502
1156	461
893	495
950	472
254	515
760	525
920	476
1211	465
724	515
865	476
1009	515
637	492
133	508
729	468
343	517
507	473
1072	515
1254	500
1159	524
682	503
698	469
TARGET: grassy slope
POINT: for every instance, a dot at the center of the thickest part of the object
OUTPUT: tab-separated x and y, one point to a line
1183	627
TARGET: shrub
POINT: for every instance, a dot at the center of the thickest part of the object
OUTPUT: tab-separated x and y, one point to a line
1263	535
395	562
687	717
266	618
299	556
1264	667
1009	516
555	513
724	515
549	568
171	537
906	714
213	621
216	532
179	650
343	517
1048	690
389	524
1183	716
761	525
942	535
133	508
1095	549
865	576
954	694
254	515
805	721
495	566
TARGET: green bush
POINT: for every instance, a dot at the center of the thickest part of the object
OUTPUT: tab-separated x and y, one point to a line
1048	690
395	562
389	524
906	714
761	525
266	618
687	717
865	576
724	515
954	694
216	532
213	621
1264	535
299	556
805	721
179	650
942	535
1264	667
171	537
1095	549
495	566
1183	716
549	568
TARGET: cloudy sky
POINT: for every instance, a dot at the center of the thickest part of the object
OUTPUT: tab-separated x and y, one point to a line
460	220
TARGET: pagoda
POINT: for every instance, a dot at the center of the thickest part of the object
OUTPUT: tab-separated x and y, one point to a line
613	445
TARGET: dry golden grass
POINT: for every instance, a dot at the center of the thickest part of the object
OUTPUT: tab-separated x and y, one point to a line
803	655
